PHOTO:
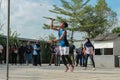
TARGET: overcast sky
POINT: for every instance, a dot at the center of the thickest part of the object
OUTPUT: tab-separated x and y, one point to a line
27	16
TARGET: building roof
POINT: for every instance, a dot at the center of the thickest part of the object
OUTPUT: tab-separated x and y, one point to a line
106	37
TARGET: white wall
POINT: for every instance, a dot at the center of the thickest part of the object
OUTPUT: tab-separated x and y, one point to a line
103	44
116	49
104	61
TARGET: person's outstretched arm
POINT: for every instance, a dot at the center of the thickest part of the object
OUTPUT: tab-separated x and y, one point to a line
51	25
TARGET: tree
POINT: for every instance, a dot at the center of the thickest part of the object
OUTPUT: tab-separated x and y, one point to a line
116	30
45	47
72	11
93	20
98	20
14	38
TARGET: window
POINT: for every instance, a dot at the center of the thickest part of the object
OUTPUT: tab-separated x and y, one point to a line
108	51
98	51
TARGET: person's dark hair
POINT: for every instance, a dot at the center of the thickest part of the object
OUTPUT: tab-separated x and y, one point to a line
88	40
88	43
66	24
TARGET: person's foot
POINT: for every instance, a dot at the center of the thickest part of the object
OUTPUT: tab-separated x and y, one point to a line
85	68
66	69
93	69
49	65
76	64
72	68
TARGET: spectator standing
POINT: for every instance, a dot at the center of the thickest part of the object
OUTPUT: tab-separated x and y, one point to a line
28	53
53	54
14	53
36	54
1	53
80	56
89	51
21	54
71	51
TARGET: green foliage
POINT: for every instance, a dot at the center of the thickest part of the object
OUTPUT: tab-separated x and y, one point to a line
52	37
97	20
93	20
45	50
2	40
72	11
14	38
116	30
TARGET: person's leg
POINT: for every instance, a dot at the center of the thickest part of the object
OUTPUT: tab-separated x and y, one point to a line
81	59
39	59
15	59
27	59
54	59
77	60
35	60
66	52
86	59
12	55
91	57
63	53
72	58
65	62
31	58
51	59
58	60
1	58
70	62
20	59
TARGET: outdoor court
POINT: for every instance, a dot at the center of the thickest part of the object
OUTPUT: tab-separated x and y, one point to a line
46	72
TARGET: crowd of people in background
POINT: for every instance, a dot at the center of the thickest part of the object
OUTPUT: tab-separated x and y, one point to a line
79	56
31	54
23	54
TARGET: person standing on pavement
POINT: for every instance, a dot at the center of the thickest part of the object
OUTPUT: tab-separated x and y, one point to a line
53	54
36	54
14	54
28	53
63	44
1	53
80	56
71	51
57	51
89	52
21	54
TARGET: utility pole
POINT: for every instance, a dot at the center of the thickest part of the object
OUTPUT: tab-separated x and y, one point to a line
8	32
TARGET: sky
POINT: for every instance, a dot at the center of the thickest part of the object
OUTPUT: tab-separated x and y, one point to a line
27	17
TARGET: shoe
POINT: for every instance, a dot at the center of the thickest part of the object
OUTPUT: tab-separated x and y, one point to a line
76	65
49	65
93	69
85	68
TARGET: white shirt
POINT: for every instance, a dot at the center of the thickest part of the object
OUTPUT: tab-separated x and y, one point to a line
89	50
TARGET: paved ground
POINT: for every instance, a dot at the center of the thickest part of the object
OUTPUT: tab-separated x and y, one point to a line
46	72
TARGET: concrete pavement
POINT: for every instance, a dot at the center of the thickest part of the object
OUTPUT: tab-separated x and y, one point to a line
52	72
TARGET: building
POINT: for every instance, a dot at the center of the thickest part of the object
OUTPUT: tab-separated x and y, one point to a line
107	50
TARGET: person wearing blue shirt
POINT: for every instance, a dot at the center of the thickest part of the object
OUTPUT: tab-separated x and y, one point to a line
36	54
63	44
